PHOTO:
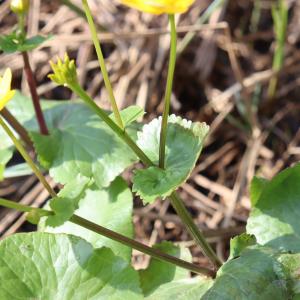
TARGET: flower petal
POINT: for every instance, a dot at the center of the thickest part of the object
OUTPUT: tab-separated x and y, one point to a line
6	98
160	6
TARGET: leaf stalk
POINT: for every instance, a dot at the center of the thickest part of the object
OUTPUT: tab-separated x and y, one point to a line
101	61
167	101
27	158
155	253
193	229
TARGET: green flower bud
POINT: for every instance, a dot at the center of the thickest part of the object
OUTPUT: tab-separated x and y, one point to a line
19	6
64	72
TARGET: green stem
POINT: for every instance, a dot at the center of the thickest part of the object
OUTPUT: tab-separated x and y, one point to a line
76	88
177	203
27	158
18	128
193	229
167	101
102	63
114	236
140	247
23	208
74	7
21	26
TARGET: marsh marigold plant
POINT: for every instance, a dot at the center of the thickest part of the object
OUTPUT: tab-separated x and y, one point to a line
6	93
160	6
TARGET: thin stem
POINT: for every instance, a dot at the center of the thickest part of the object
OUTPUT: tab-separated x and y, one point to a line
175	199
74	7
19	129
23	208
102	63
27	158
21	25
167	101
76	88
176	202
193	229
114	236
139	246
34	95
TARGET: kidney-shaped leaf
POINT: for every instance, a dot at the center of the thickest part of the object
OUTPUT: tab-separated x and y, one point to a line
183	146
79	143
48	266
182	289
158	272
291	264
275	217
255	275
111	208
82	144
67	201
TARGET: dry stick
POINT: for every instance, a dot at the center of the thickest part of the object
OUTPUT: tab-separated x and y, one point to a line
90	225
237	70
35	97
111	37
18	128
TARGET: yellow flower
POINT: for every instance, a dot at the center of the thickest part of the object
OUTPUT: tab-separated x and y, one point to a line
160	6
19	6
6	93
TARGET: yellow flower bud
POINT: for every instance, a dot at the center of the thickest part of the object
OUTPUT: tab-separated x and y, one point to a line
160	6
6	93
19	6
64	72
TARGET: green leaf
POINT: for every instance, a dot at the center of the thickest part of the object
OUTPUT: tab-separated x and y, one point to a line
47	266
22	109
159	272
240	243
5	156
183	289
256	188
67	201
129	114
274	220
82	144
46	145
11	43
183	146
111	208
255	275
34	216
21	169
291	264
33	42
8	43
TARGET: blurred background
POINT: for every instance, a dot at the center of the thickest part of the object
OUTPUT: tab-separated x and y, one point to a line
238	70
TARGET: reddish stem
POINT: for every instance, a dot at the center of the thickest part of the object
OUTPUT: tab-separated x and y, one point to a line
34	95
